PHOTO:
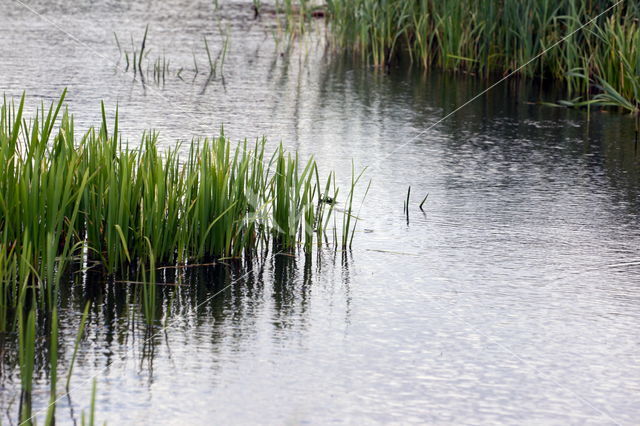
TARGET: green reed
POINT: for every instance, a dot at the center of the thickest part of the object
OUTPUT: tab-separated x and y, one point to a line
89	198
53	368
488	36
26	358
90	419
60	193
76	346
148	304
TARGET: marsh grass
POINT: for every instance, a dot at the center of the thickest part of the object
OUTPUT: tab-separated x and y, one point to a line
26	354
64	197
599	63
293	19
149	306
156	68
53	368
76	346
90	418
93	200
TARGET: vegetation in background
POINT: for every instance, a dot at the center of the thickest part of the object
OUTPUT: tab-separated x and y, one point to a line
158	69
599	63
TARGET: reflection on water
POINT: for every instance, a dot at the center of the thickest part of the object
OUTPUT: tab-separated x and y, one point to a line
513	298
217	306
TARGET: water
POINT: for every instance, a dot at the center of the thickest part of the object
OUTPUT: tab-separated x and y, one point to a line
512	299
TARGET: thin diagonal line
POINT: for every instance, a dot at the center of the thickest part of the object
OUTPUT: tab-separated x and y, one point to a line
482	93
512	73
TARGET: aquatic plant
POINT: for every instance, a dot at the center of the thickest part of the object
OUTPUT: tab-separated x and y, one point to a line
489	36
83	322
59	193
158	68
53	368
149	287
26	357
92	199
424	200
293	18
90	419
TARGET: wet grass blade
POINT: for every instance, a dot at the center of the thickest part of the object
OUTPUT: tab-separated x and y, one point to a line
53	368
76	345
423	201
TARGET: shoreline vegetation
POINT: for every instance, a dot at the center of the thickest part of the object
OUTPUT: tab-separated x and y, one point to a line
70	202
61	195
598	64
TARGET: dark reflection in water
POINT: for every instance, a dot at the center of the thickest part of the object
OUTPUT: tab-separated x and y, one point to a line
214	305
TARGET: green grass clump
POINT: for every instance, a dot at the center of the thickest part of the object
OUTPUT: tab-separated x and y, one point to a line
95	201
489	36
61	195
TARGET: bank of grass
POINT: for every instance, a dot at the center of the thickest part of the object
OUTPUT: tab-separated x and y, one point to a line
93	200
599	64
59	192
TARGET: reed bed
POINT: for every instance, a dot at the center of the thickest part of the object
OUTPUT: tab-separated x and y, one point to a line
60	194
94	201
599	64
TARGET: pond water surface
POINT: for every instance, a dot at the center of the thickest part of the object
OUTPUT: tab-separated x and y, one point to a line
513	298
